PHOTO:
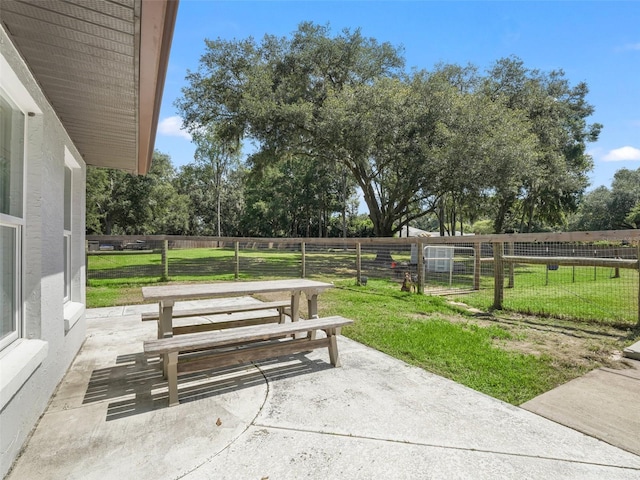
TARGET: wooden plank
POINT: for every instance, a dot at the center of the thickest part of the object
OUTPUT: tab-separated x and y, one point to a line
211	290
226	309
573	261
223	323
607	235
250	353
240	334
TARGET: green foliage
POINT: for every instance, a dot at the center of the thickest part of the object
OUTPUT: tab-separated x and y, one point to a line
336	103
213	184
545	190
593	212
633	217
482	227
611	209
123	204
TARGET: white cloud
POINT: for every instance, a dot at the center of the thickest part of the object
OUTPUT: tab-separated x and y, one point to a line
172	127
627	47
622	154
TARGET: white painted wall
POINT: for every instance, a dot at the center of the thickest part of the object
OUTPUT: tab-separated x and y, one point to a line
31	368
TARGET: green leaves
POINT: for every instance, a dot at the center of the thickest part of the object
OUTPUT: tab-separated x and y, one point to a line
509	144
611	209
120	203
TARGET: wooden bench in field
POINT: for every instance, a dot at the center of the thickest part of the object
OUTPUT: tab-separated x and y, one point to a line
227	316
242	344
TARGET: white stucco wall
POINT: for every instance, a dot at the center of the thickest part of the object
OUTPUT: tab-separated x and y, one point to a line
31	368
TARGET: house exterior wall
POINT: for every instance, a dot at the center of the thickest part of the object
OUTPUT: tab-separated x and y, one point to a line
52	330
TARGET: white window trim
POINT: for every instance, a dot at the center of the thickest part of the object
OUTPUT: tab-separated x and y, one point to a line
16	90
17	268
73	311
67	232
13	88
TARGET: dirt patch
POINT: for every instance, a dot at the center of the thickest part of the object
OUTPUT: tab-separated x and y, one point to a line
569	344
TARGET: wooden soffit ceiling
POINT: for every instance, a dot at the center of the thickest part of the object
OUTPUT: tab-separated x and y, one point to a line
102	65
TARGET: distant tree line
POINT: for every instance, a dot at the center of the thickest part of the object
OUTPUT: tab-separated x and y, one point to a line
332	118
217	195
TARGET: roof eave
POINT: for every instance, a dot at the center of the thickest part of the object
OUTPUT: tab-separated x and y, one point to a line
155	46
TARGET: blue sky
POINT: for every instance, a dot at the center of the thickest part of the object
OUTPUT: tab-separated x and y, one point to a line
593	41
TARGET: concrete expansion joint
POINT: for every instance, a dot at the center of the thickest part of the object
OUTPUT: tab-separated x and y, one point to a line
446	447
240	435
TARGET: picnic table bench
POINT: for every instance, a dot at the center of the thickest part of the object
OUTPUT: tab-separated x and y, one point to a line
239	345
279	305
226	316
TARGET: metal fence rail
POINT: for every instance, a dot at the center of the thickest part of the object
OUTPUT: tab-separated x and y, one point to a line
586	275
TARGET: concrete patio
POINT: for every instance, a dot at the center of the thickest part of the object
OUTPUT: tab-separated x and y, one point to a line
297	417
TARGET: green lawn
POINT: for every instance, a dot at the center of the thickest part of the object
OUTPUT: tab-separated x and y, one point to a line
580	293
416	329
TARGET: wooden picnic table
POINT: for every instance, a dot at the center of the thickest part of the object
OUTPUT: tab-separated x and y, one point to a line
167	295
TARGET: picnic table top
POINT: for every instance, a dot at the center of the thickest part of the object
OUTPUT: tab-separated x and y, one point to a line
221	289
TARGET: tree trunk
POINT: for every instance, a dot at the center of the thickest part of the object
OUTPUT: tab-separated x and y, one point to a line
441	218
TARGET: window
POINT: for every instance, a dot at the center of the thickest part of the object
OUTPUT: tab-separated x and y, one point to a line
12	135
68	175
73	309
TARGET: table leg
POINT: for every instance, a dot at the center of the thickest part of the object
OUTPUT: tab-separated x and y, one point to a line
165	319
295	306
312	305
172	377
312	311
165	326
333	347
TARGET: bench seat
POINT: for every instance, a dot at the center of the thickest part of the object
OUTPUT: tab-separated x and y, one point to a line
279	305
243	344
185	325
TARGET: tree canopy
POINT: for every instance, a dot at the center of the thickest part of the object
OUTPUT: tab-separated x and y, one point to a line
448	141
611	209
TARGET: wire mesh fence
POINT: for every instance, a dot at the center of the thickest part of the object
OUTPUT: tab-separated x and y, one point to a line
587	276
593	281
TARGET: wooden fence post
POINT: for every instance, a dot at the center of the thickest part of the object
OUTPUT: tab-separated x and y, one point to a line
477	265
165	261
616	273
304	259
420	272
511	265
236	272
358	264
498	275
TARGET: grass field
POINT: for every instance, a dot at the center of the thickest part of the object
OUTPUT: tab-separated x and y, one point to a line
579	293
419	330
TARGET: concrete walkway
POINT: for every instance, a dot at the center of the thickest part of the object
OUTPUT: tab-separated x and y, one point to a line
604	403
373	418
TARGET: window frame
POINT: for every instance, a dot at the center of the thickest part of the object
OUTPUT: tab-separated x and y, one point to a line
67	228
17	224
13	88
